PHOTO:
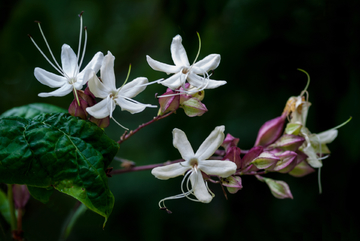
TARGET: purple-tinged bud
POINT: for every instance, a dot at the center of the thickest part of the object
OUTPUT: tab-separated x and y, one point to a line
233	154
230	141
75	109
287	162
266	160
302	169
232	183
279	189
193	107
170	102
270	131
251	155
102	123
289	142
293	128
21	195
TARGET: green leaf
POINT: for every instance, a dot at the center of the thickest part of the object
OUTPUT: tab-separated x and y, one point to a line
59	151
41	194
32	110
4	206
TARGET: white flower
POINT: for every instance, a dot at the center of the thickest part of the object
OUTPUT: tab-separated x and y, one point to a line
194	164
70	78
105	88
184	71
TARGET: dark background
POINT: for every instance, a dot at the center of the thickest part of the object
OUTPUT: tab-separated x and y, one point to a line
261	43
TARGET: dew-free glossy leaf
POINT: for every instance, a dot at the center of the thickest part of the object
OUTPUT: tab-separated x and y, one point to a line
32	110
59	151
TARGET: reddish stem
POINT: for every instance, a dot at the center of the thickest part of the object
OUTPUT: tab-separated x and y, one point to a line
126	136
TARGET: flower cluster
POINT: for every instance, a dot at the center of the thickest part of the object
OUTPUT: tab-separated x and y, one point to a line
289	149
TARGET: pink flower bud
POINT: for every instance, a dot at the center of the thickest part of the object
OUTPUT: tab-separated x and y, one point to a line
279	189
266	160
21	195
233	154
270	131
169	103
289	142
251	155
229	141
232	183
302	169
193	107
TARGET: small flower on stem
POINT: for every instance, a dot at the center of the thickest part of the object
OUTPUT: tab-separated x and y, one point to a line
104	87
183	71
70	78
194	165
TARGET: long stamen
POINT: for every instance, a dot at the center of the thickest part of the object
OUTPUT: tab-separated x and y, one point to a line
197	55
308	81
51	53
153	82
119	124
56	68
84	49
80	36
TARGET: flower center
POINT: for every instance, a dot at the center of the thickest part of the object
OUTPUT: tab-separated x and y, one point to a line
72	80
194	163
185	70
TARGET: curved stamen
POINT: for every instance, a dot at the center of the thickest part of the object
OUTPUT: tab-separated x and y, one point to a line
119	124
84	50
51	53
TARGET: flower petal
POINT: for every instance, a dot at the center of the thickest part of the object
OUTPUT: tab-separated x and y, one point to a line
49	79
131	105
133	88
107	71
211	143
169	171
199	188
181	143
62	91
178	52
94	65
97	87
101	109
219	168
201	82
69	61
156	65
174	81
208	63
324	137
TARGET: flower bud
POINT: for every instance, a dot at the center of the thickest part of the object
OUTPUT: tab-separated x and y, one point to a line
287	162
193	107
293	128
251	155
230	141
233	154
21	195
265	160
279	189
232	183
270	131
289	142
302	169
168	103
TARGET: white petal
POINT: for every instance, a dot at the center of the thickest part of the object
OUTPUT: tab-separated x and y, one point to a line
325	137
312	159
133	88
219	168
181	143
200	190
211	143
208	63
49	79
62	91
174	81
101	109
94	65
131	106
201	82
97	87
178	52
69	61
156	65
107	71
169	171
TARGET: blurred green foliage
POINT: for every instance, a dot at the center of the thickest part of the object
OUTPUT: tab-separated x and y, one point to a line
261	43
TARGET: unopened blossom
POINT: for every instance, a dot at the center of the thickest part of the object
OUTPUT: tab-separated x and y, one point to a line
196	74
194	165
105	88
70	78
